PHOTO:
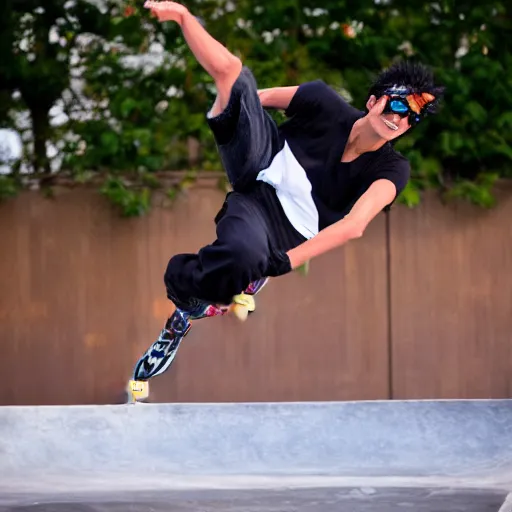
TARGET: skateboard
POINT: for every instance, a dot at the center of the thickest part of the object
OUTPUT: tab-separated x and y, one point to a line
242	306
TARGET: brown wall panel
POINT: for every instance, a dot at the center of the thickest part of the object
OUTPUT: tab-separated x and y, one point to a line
82	296
451	282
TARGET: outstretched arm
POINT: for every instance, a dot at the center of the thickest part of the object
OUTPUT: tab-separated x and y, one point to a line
379	195
216	59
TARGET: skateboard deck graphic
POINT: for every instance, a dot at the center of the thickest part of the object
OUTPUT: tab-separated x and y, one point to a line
242	305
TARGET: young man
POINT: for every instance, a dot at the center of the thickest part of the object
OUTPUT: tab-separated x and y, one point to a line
299	189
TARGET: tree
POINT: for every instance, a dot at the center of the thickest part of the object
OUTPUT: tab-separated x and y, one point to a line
133	98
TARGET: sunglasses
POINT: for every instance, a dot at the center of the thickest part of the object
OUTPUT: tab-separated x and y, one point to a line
414	106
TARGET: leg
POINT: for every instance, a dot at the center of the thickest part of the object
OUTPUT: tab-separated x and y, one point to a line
248	249
162	352
204	284
239	256
160	355
247	137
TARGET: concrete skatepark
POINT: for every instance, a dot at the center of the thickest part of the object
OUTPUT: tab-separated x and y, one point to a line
426	456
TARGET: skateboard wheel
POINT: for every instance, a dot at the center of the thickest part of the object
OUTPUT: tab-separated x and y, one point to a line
241	311
243	304
138	390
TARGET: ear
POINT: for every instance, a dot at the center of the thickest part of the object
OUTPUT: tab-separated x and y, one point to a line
371	102
377	105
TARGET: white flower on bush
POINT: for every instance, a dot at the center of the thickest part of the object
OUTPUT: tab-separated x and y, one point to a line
81	147
162	106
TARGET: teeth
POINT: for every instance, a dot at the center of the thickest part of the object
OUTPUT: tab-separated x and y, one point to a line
389	124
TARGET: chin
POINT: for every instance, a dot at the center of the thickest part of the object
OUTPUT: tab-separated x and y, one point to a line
390	136
382	131
386	133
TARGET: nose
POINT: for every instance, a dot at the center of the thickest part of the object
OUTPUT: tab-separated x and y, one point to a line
396	119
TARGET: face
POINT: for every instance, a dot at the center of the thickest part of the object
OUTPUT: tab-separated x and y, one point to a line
387	125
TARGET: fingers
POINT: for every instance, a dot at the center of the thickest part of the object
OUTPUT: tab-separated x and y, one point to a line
155	8
166	11
150	4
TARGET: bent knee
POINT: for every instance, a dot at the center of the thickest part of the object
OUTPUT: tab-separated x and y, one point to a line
247	257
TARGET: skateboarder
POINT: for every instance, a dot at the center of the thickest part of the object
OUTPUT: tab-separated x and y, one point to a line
300	188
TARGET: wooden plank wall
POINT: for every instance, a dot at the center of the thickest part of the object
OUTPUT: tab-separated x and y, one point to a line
451	291
82	296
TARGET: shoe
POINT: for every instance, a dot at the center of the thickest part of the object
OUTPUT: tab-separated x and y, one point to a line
208	310
162	352
256	286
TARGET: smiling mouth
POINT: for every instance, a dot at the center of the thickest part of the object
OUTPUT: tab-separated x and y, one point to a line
390	125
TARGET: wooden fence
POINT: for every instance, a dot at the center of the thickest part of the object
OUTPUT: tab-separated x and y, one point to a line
417	308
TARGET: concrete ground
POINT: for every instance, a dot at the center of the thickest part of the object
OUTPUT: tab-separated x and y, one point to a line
426	456
307	500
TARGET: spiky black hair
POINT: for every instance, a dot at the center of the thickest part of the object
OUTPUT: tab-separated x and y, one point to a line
411	74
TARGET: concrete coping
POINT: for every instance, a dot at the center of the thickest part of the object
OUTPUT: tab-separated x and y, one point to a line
464	441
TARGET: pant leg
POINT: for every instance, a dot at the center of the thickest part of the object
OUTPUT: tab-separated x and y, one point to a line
240	254
246	135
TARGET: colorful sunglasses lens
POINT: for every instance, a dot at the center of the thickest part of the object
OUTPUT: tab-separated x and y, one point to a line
399	107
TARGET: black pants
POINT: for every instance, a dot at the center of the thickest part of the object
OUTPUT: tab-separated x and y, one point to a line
253	233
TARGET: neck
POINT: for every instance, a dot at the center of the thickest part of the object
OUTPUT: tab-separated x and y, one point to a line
363	139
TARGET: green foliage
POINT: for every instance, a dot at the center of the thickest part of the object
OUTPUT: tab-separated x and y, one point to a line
478	192
132	110
303	270
411	195
131	203
8	187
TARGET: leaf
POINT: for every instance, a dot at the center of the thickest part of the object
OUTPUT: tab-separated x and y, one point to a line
152	162
84	176
110	141
131	203
505	120
150	180
172	193
128	106
477	112
410	196
478	192
303	269
8	187
142	137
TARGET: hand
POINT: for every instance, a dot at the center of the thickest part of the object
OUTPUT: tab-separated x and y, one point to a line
167	11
